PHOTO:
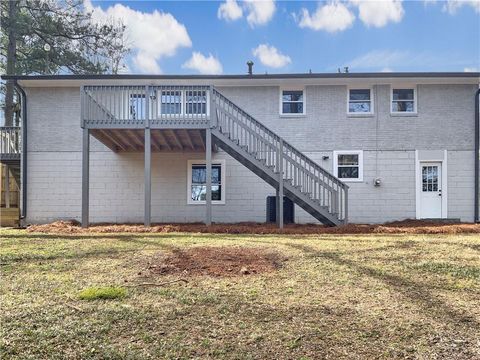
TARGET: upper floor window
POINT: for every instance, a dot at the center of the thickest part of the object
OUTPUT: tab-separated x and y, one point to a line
360	101
137	106
292	102
171	102
177	102
404	100
196	102
348	165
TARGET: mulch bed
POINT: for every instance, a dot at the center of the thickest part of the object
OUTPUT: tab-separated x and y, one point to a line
398	227
216	261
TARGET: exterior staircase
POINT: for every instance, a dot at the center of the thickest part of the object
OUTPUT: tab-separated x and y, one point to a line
278	163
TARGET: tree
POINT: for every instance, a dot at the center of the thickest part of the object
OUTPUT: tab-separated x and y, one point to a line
52	37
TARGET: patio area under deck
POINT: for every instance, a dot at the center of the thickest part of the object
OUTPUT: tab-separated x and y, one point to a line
147	119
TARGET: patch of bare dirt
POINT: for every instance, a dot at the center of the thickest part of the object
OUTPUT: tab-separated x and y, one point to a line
216	261
398	227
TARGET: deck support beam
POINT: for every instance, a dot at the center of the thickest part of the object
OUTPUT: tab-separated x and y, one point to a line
279	192
208	161
85	176
148	177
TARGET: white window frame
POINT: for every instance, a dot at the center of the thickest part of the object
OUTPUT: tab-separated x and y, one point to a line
415	101
372	100
190	163
184	108
360	164
293	88
159	107
183	105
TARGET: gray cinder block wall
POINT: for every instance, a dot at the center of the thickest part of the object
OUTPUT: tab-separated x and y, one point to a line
444	122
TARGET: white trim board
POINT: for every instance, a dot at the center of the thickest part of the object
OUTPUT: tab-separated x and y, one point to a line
431	156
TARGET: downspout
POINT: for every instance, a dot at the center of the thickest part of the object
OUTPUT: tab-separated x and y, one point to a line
23	161
477	150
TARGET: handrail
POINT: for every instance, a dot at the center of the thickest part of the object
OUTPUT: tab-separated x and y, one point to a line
10	140
282	157
285	143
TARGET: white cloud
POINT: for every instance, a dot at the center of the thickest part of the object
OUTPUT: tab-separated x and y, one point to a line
152	36
380	12
451	6
229	10
270	56
208	65
332	17
470	69
260	12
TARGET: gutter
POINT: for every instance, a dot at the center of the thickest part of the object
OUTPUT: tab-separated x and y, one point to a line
477	150
23	211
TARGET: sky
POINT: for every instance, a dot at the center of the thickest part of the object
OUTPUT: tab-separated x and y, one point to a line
219	37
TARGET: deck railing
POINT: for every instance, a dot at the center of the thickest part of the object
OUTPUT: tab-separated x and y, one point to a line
134	105
10	141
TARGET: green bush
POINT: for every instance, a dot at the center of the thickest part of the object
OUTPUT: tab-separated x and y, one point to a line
104	292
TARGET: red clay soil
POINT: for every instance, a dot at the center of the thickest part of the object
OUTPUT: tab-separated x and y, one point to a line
399	227
216	261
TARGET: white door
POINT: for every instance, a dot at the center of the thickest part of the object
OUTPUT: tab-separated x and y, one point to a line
431	190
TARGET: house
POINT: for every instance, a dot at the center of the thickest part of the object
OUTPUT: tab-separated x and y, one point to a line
356	147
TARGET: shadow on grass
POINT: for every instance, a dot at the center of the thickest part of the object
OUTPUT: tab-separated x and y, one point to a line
411	290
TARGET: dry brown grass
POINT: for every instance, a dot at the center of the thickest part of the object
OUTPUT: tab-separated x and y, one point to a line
376	296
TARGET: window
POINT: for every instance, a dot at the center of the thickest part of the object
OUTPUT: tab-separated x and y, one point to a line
196	102
360	101
137	106
171	102
403	100
348	165
292	102
197	180
429	178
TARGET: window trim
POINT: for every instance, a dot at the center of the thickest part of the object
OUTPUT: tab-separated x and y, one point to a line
415	99
190	163
159	104
183	105
372	100
292	88
336	153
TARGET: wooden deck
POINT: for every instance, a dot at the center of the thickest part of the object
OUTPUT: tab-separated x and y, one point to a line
165	140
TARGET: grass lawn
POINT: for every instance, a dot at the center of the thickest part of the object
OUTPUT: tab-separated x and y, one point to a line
336	296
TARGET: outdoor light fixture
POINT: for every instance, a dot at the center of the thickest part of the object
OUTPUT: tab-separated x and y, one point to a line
377	182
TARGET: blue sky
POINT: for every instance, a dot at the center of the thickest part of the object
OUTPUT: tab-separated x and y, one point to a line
183	37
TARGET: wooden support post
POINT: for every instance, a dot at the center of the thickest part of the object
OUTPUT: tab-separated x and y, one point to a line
208	156
280	184
148	177
148	160
85	176
7	186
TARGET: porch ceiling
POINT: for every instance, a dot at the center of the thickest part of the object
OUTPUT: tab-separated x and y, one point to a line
165	140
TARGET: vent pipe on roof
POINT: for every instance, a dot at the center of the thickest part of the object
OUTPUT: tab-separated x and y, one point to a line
250	67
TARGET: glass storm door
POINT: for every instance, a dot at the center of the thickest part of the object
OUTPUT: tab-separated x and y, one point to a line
431	190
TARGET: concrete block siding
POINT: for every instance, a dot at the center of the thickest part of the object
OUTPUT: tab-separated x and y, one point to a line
389	144
116	188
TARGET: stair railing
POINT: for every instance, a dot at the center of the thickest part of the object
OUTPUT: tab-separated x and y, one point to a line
10	140
298	170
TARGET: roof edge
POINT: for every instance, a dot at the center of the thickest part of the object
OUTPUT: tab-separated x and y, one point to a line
246	76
